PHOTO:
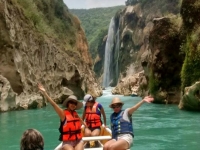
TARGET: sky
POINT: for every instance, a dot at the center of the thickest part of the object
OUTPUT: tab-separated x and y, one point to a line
87	4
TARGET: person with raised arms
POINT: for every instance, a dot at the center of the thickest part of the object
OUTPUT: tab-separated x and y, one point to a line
70	122
121	124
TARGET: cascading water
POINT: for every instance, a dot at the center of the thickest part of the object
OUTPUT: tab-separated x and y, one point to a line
111	67
117	54
108	50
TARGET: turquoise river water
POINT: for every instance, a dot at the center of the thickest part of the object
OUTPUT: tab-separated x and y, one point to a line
156	127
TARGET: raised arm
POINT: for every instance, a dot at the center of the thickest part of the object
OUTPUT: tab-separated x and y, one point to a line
147	99
58	110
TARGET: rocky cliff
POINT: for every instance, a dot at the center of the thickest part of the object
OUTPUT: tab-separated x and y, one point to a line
174	42
134	25
165	48
28	56
190	73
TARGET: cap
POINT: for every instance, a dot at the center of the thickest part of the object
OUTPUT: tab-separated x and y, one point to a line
88	97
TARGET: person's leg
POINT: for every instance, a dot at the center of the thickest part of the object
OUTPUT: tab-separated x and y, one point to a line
87	132
107	144
79	146
67	147
119	145
95	132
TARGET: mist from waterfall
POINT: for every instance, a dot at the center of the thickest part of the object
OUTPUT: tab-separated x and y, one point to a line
108	50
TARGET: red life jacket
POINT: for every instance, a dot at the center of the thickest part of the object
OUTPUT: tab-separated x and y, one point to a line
70	128
93	119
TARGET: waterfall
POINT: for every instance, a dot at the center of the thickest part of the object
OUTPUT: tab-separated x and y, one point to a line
108	50
117	54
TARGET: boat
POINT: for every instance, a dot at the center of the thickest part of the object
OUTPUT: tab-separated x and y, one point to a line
94	142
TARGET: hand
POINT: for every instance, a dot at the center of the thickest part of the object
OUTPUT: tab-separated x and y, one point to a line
41	88
148	99
84	123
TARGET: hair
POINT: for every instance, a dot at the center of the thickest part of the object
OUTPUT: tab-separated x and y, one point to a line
67	104
92	101
32	140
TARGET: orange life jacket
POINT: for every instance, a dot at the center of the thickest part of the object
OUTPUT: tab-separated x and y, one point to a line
70	129
93	119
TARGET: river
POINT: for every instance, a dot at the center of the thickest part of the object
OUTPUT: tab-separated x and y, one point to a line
156	127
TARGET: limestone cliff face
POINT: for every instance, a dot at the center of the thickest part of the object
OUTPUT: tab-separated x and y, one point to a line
190	73
28	57
190	99
171	57
166	60
136	23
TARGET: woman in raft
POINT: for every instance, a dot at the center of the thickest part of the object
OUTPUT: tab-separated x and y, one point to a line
70	122
92	116
121	124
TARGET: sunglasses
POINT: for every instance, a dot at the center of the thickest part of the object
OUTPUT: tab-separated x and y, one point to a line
116	106
73	102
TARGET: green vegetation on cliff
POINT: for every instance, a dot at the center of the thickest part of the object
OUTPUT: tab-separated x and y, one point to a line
165	6
50	17
190	71
95	23
191	34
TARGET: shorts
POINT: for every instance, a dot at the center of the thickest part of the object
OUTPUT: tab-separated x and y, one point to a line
92	129
72	143
127	137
